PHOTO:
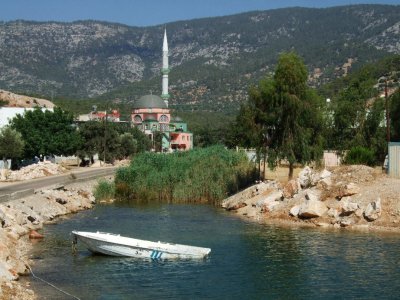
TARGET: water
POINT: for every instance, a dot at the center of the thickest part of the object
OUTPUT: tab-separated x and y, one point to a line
248	261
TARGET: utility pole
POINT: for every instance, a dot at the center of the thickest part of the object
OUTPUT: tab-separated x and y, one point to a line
105	137
387	112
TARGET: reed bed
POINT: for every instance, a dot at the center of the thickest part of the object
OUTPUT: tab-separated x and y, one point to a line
197	176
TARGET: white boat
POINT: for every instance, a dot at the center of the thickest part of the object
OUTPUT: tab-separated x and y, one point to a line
116	245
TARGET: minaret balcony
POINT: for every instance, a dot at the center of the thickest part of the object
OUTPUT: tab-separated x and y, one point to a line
165	71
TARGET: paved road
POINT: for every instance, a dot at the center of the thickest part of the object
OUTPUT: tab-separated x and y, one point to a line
13	190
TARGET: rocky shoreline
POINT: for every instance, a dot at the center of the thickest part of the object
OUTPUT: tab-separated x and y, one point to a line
351	197
20	219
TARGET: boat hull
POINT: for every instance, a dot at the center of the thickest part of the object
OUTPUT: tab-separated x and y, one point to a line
115	245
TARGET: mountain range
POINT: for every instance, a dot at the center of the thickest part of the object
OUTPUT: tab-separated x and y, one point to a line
213	60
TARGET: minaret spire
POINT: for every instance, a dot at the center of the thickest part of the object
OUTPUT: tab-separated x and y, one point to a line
165	69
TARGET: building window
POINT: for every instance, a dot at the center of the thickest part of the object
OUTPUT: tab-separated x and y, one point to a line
137	119
164	127
164	119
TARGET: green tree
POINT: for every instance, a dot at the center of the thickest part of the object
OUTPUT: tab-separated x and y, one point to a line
128	145
296	116
92	135
47	132
100	138
395	116
11	143
283	118
143	143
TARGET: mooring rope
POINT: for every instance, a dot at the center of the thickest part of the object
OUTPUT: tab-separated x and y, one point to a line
50	284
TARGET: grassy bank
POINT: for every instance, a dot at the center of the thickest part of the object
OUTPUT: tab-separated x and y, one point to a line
200	175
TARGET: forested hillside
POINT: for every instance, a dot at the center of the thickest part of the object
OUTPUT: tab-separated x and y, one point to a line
213	60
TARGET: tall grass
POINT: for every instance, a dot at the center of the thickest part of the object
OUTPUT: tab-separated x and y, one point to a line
104	190
200	175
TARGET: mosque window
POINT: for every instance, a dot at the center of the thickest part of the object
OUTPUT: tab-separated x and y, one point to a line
164	127
164	118
137	119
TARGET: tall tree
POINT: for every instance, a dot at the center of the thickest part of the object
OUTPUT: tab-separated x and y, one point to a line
296	115
47	132
395	116
283	116
11	143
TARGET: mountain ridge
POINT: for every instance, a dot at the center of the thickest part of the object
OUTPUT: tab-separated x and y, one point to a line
213	60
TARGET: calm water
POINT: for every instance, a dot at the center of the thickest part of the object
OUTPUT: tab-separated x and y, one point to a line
248	261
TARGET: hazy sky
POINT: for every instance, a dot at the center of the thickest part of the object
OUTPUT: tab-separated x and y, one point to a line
148	12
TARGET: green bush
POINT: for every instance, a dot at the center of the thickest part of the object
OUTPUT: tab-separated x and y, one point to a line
200	175
360	156
104	190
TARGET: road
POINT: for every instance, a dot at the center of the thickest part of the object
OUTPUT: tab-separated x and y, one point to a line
9	191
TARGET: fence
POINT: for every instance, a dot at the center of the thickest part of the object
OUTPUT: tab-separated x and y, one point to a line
394	160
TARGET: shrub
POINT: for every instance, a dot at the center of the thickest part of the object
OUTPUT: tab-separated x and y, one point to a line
360	156
104	190
200	175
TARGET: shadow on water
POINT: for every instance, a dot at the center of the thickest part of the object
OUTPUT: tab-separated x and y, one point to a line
248	261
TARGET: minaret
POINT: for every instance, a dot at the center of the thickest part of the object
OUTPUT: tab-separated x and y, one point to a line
165	70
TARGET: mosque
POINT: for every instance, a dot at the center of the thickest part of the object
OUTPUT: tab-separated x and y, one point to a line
151	115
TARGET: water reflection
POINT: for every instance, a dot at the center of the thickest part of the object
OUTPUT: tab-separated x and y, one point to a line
248	261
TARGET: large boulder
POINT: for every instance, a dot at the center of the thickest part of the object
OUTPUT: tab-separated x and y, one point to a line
373	210
305	177
313	194
294	211
244	196
290	189
308	177
272	197
347	206
348	190
312	209
268	203
333	213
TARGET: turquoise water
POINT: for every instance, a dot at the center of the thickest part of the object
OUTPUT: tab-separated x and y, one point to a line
247	261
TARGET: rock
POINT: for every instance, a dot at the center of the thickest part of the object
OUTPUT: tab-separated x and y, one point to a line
243	196
347	206
35	235
2	218
290	189
237	206
325	174
333	213
349	190
61	201
345	222
313	195
312	209
274	196
269	206
305	177
325	183
31	219
294	211
373	210
322	224
359	212
40	169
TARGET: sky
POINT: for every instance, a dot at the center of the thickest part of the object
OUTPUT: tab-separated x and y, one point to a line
149	12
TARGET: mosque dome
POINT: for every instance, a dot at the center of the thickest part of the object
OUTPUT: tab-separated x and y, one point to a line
150	101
